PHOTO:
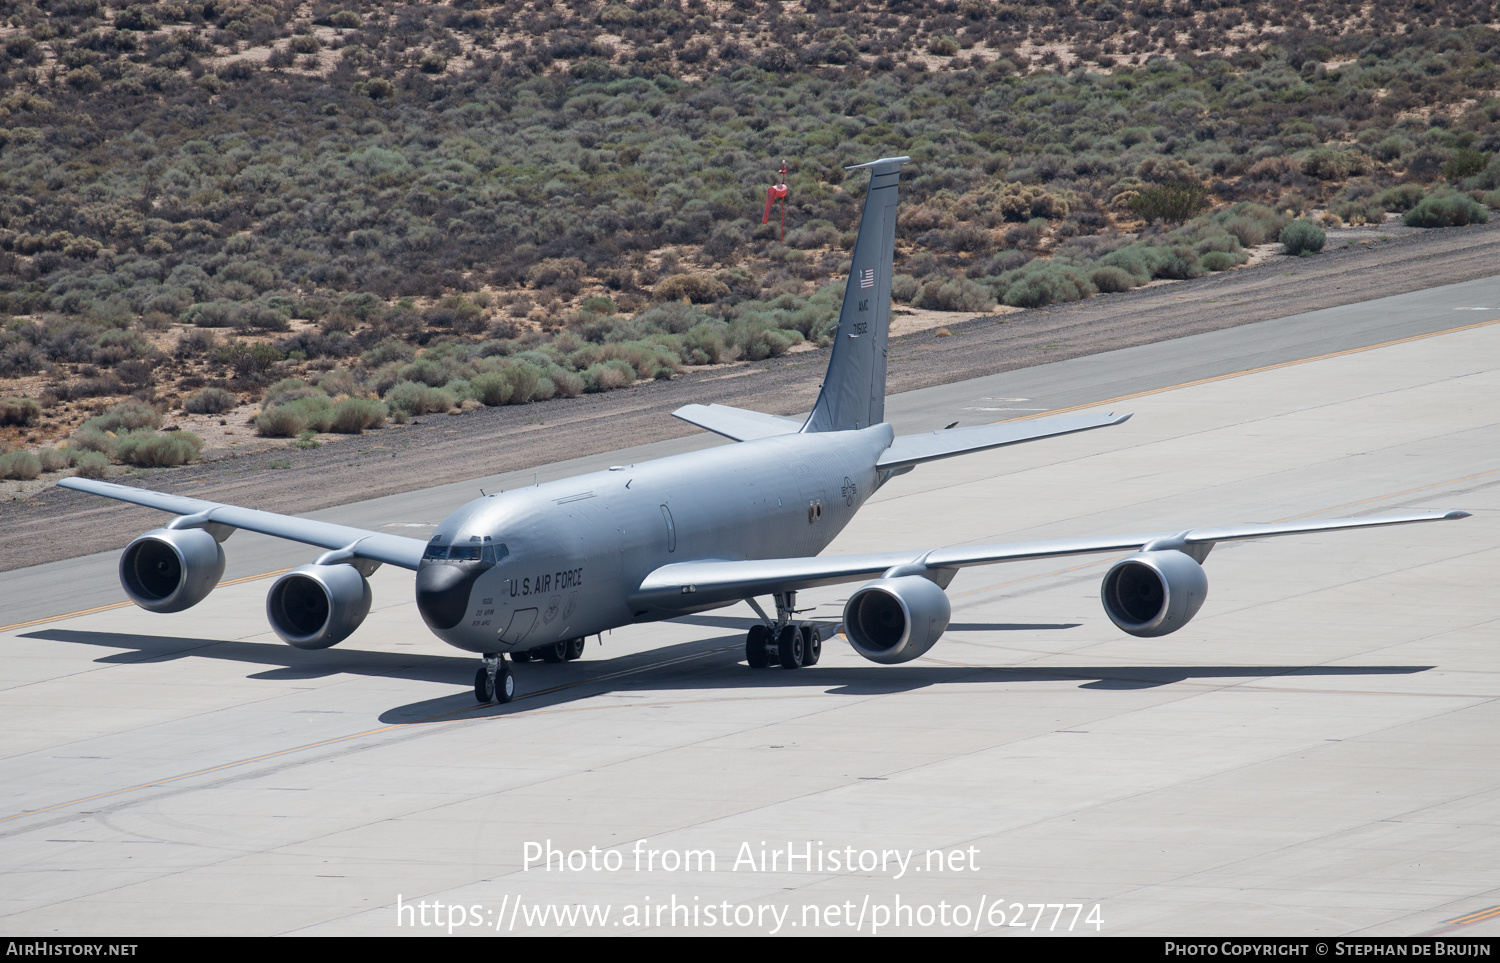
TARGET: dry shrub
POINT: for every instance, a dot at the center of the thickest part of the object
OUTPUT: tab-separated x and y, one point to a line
281	421
19	411
20	466
353	415
1111	280
89	464
210	401
697	288
148	449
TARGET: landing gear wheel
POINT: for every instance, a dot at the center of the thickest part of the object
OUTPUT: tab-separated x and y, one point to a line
522	655
812	644
501	688
575	649
554	653
789	648
755	646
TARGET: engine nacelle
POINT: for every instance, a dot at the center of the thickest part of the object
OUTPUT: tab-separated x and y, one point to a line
1153	593
893	620
171	569
315	606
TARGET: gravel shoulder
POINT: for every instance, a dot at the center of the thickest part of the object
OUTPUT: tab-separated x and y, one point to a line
54	523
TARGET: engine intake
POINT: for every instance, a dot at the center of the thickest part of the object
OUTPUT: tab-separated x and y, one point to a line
1153	593
168	570
893	620
316	606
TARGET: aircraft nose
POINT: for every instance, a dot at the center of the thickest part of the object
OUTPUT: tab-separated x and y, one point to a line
443	592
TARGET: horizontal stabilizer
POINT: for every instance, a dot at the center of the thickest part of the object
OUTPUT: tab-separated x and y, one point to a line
395	550
914	449
683	585
737	423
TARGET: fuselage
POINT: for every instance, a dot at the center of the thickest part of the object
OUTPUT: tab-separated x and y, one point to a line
524	568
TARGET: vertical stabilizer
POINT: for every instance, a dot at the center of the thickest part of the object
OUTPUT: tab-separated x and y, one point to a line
853	393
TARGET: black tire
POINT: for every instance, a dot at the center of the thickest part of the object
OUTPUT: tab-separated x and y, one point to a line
482	691
789	648
522	655
755	647
505	684
575	648
812	644
554	653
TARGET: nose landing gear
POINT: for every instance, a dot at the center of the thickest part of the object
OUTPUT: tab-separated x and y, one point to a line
494	681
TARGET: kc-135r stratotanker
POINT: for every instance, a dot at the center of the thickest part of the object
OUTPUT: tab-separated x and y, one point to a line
533	572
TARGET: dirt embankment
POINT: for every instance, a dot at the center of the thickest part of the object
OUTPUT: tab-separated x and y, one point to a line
55	523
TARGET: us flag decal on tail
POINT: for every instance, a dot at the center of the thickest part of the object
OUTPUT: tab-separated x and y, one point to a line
867	278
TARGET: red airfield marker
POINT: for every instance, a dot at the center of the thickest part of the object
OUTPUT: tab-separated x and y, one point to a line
774	194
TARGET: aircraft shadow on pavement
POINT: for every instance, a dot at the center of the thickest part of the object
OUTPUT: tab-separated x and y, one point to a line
705	664
743	624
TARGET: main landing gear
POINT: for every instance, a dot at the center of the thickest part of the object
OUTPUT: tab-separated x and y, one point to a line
568	650
788	644
494	681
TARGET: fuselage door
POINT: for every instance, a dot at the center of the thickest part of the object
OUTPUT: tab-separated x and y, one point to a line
521	624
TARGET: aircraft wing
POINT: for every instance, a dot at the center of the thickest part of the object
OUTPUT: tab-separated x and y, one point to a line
909	450
737	423
395	550
694	584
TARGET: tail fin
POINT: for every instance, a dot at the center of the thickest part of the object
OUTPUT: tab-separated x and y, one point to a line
853	393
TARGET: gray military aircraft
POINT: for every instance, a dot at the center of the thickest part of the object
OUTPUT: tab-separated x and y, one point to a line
533	572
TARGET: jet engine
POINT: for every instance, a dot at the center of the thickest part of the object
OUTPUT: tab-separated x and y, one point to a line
171	569
316	606
1153	593
892	620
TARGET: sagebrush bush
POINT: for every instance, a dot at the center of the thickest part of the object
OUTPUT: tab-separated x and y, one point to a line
904	288
126	416
697	288
1301	238
210	401
89	464
53	459
1446	210
954	294
19	411
149	449
20	466
88	438
282	421
415	398
1465	162
1111	280
1173	202
1041	283
1218	261
1400	198
352	416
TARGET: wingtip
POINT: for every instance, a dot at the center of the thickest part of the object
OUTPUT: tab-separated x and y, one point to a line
1457	514
1121	419
876	163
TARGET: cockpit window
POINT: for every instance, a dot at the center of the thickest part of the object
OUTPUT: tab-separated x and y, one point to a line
472	552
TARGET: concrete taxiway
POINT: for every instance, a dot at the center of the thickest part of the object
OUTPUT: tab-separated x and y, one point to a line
1315	754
